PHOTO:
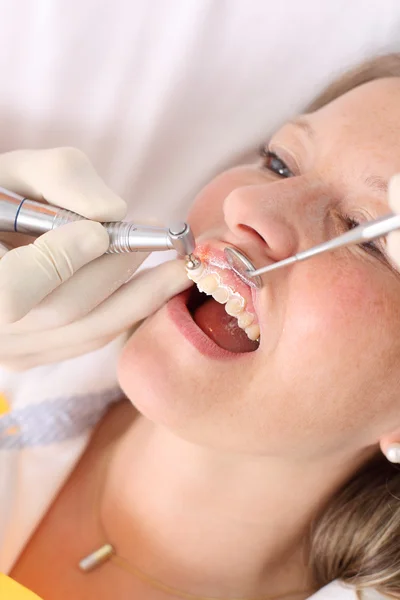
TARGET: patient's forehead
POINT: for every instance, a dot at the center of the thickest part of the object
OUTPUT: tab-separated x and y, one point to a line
370	113
359	132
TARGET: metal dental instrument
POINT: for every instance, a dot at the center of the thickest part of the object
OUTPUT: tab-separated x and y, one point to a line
21	215
361	234
242	266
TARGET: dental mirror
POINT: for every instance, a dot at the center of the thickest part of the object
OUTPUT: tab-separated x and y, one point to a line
241	265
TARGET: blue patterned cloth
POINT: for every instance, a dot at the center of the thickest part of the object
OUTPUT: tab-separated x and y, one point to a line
54	420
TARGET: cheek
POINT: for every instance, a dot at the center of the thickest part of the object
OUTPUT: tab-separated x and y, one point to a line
338	354
206	212
346	320
335	301
345	304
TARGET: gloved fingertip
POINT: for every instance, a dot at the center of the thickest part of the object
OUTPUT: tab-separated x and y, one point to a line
394	192
172	277
173	267
119	210
107	207
92	199
393	246
91	238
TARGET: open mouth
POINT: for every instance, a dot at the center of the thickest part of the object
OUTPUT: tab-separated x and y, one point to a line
221	306
214	321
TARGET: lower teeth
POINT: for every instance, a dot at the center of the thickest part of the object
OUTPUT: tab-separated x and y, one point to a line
253	332
210	284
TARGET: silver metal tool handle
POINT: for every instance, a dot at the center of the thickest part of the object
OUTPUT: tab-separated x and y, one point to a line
10	205
182	238
368	231
382	226
21	215
129	237
35	218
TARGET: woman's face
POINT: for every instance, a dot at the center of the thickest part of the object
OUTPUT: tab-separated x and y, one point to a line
324	377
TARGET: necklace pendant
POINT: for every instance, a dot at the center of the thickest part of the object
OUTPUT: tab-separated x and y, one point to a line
96	558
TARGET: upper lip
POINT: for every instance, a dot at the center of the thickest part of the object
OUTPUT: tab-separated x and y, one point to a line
212	253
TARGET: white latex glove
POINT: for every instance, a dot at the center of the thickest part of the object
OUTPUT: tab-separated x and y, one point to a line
393	239
60	296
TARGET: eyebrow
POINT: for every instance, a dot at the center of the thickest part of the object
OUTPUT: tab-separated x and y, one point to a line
374	182
377	183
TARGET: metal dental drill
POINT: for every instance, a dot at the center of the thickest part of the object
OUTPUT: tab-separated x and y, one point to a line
21	215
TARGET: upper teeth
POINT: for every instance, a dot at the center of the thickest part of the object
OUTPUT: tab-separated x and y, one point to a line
211	284
207	284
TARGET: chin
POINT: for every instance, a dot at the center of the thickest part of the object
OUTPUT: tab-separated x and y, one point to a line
173	373
150	372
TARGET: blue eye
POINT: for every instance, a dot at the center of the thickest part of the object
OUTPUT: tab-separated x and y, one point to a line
272	162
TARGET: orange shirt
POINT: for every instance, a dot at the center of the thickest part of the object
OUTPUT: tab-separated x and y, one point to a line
11	590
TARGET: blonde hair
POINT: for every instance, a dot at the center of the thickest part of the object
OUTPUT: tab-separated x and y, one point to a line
356	539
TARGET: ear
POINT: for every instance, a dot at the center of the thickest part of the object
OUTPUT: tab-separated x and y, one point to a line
390	446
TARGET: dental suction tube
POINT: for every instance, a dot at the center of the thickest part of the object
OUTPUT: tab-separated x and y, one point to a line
21	215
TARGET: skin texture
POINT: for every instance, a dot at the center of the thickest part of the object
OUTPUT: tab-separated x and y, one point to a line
214	487
325	377
271	436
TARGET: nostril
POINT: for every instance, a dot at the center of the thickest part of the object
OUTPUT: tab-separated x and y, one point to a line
249	231
259	223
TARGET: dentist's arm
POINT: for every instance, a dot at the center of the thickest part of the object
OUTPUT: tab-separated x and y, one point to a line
61	296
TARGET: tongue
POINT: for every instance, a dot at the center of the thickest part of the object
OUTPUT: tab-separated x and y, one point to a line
223	329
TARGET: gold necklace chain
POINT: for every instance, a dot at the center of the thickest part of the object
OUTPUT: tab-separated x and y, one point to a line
107	552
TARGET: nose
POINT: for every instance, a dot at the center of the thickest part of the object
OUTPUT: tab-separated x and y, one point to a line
270	221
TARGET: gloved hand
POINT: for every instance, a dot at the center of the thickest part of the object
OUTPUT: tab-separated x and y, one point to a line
60	296
393	239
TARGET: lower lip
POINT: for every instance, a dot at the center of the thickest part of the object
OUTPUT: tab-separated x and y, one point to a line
180	316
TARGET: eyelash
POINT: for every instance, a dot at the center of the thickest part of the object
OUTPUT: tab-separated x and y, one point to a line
269	159
370	247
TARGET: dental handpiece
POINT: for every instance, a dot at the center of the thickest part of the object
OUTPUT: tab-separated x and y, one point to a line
21	215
